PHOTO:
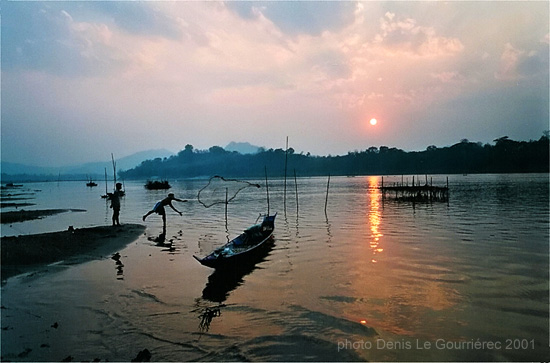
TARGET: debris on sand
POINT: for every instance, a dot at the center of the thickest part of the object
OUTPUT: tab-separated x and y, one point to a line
143	356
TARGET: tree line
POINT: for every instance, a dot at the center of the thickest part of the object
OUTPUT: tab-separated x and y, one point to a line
505	156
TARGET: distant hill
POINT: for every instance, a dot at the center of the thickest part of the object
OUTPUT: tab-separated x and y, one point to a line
15	168
94	169
242	147
506	156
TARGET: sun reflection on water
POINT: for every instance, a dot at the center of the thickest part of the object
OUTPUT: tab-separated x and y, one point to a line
374	218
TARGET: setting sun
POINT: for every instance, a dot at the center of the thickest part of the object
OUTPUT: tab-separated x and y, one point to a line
373	121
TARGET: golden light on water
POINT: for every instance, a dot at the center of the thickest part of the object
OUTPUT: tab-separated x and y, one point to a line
374	217
387	264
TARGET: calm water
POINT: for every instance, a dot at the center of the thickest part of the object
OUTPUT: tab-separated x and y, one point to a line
372	280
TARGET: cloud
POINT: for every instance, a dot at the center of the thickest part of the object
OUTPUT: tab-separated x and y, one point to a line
406	36
314	69
517	64
298	17
57	43
447	77
140	18
508	63
73	40
535	64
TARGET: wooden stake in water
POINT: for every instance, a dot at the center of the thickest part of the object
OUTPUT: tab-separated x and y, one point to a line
226	202
267	189
326	199
106	182
114	170
296	186
286	163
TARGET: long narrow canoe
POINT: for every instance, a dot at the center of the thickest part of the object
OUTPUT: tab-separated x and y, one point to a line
241	248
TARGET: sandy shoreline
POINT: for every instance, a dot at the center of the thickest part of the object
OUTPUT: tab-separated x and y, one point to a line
23	253
28	215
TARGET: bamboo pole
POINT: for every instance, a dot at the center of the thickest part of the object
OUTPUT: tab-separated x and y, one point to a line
286	163
326	199
114	170
267	189
226	202
296	186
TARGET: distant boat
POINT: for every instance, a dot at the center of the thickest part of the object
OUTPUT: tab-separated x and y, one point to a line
91	183
242	248
154	185
11	185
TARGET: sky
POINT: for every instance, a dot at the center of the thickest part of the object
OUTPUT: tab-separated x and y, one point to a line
83	79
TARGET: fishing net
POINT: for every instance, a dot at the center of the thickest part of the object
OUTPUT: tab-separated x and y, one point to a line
220	190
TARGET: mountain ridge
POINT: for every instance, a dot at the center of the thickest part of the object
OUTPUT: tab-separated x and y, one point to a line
93	169
242	147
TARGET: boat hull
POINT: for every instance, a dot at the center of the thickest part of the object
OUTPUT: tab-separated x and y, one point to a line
243	248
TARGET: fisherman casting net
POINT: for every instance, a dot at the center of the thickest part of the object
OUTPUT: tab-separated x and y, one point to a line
220	190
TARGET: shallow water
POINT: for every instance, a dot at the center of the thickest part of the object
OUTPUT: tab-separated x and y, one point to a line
373	279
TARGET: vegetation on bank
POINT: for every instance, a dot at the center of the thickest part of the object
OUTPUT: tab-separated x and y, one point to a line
505	156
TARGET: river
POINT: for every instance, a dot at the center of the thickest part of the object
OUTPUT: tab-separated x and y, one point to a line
370	279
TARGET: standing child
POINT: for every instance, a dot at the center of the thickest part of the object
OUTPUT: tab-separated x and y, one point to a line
115	203
159	209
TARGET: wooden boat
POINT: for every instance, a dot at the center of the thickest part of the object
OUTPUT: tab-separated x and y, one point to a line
243	247
154	185
90	182
11	185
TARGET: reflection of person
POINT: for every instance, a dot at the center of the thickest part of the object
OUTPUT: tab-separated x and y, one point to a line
115	202
159	209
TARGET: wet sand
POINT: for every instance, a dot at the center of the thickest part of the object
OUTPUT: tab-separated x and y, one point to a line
15	205
23	253
27	215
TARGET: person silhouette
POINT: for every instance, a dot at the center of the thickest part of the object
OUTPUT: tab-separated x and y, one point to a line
115	203
159	209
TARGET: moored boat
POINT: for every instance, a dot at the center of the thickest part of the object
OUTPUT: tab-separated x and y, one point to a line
243	247
155	185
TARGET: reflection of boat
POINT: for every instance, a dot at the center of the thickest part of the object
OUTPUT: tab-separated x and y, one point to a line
153	185
242	248
223	281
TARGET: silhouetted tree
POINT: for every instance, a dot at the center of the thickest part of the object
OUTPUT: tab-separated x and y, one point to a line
464	157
